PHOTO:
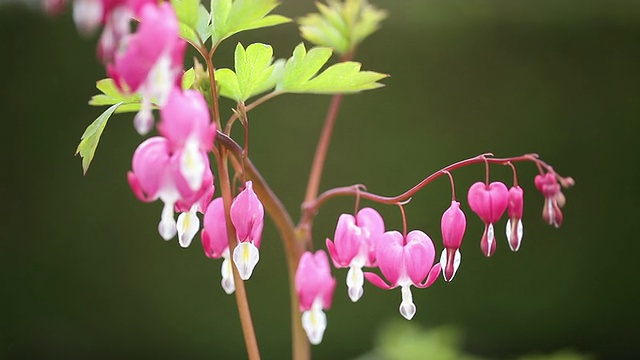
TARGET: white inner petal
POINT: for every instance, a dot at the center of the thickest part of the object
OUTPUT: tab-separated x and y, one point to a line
160	80
192	165
355	283
407	307
314	323
167	226
228	285
520	230
143	121
188	225
87	14
246	256
490	236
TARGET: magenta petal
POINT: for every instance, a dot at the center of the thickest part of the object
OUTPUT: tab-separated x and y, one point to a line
516	202
433	276
347	239
136	188
332	252
499	200
419	254
453	226
372	224
149	164
215	230
376	280
390	256
247	215
313	280
488	202
186	115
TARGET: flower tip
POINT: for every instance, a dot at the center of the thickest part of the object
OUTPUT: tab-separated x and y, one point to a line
449	263
167	228
514	234
246	257
314	323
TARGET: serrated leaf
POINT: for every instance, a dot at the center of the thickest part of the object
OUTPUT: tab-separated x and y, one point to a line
193	19
111	94
91	137
302	66
253	73
341	25
233	16
301	74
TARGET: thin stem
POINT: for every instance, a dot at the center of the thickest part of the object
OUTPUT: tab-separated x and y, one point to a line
322	148
486	174
453	185
312	207
294	243
515	174
214	88
404	221
248	331
253	105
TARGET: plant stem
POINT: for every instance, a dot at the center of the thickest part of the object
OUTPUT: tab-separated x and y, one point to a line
241	296
311	208
315	175
293	242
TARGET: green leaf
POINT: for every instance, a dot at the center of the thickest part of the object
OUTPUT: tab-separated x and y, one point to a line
112	95
91	137
341	25
188	78
233	16
254	73
194	20
301	74
187	12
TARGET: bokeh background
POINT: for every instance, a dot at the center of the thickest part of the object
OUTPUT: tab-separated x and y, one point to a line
86	276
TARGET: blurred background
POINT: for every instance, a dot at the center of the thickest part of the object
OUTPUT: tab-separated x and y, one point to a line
86	276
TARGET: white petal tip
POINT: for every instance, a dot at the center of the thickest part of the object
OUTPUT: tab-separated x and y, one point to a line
246	257
187	226
167	229
450	270
227	283
314	322
355	293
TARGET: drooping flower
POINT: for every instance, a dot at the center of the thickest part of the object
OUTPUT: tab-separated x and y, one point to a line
405	262
548	185
215	241
185	122
247	216
489	202
155	175
151	64
514	224
354	246
314	286
453	226
192	203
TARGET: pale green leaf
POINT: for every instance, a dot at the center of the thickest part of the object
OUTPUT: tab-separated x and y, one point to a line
112	95
228	83
301	74
187	12
254	73
233	16
91	137
188	79
341	25
193	19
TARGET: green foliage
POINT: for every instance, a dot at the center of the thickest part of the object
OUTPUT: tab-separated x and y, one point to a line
301	74
194	20
91	137
111	94
401	340
341	25
232	16
254	73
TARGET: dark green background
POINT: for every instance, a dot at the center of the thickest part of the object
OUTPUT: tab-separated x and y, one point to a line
86	276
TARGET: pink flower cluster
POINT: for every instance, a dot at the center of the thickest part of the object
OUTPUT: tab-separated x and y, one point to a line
407	259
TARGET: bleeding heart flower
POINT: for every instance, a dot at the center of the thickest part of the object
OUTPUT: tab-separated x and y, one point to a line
489	202
405	262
